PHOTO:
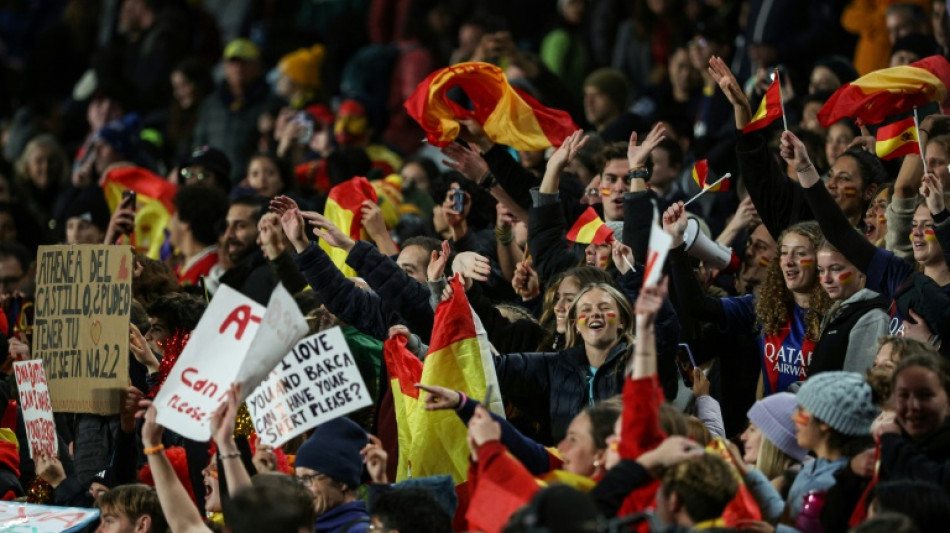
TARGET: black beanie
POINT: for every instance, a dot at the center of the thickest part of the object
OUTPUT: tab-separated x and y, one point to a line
334	450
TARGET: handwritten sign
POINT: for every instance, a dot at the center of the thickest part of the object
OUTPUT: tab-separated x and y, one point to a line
232	327
316	382
81	327
28	518
36	406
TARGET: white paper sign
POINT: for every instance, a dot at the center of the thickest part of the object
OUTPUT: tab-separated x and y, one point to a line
28	518
217	354
657	251
316	382
36	406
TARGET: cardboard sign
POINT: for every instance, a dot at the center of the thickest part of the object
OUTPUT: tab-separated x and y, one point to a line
81	327
316	382
36	406
28	518
216	356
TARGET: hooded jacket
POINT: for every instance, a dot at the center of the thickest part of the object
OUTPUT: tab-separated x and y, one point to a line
849	334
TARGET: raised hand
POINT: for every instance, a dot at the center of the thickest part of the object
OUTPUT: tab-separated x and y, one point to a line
637	156
375	458
130	405
793	151
674	223
931	188
437	262
50	469
526	282
730	87
472	266
151	430
567	151
440	398
482	427
327	231
466	161
282	203
272	235
122	221
622	256
140	350
264	460
294	228
223	419
372	219
650	302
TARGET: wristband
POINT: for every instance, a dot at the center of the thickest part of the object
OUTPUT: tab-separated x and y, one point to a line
923	130
232	455
805	168
154	449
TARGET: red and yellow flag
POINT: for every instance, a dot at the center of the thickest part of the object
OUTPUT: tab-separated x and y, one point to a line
405	370
154	195
590	229
897	139
509	116
343	210
770	108
434	442
873	97
700	175
743	506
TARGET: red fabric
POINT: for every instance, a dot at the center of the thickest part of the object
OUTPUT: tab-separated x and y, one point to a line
313	175
143	182
640	432
350	196
201	268
176	455
861	509
887	92
402	365
500	485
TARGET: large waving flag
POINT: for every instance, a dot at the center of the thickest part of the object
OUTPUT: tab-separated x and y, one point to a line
434	442
508	116
897	139
590	229
873	97
770	108
343	210
154	197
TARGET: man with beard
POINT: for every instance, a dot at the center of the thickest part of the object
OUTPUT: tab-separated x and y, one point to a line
250	273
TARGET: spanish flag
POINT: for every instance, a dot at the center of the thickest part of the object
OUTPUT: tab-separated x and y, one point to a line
405	370
897	139
873	97
434	442
508	116
590	229
770	108
154	196
343	210
700	175
743	506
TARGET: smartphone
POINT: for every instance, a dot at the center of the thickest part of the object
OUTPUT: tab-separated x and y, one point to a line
458	200
129	193
685	363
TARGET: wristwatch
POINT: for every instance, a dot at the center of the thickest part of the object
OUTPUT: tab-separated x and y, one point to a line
642	173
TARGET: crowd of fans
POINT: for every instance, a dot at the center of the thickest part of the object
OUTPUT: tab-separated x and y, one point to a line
814	361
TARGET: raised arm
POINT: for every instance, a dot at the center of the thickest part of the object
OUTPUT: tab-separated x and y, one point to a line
222	430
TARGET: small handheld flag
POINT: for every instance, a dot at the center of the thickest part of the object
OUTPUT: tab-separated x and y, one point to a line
720	185
897	139
701	173
770	108
659	247
590	229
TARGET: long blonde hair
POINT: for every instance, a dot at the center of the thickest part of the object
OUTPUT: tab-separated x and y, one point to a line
623	306
774	302
772	461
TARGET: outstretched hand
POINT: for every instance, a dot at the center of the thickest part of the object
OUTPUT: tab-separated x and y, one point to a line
223	419
674	223
326	230
637	156
730	87
437	262
793	151
567	151
440	398
931	188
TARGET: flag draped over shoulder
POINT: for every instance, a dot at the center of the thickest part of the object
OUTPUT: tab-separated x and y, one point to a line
154	196
508	116
590	229
897	139
343	210
873	97
434	442
770	108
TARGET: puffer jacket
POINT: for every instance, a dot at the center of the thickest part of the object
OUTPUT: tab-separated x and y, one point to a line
555	385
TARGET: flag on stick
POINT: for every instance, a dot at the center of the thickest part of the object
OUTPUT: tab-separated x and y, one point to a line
897	139
770	108
590	229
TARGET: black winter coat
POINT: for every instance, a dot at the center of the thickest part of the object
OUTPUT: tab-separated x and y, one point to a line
556	385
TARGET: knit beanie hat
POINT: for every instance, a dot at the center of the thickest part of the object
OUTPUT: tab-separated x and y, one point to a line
840	399
303	65
334	450
773	416
90	205
611	82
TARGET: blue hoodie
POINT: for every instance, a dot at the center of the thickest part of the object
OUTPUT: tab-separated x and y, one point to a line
347	514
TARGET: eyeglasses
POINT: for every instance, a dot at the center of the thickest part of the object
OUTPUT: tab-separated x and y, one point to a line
308	479
188	173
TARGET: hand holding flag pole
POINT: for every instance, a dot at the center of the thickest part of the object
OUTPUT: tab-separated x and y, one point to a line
781	99
725	176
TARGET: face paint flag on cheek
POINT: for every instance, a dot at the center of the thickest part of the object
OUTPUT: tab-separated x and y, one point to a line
801	418
763	262
846	278
605	191
930	235
849	192
581	320
881	219
611	318
807	263
603	263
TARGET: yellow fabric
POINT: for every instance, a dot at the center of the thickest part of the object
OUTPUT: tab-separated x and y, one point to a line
885	147
867	19
342	219
151	219
303	66
709	524
905	79
7	435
